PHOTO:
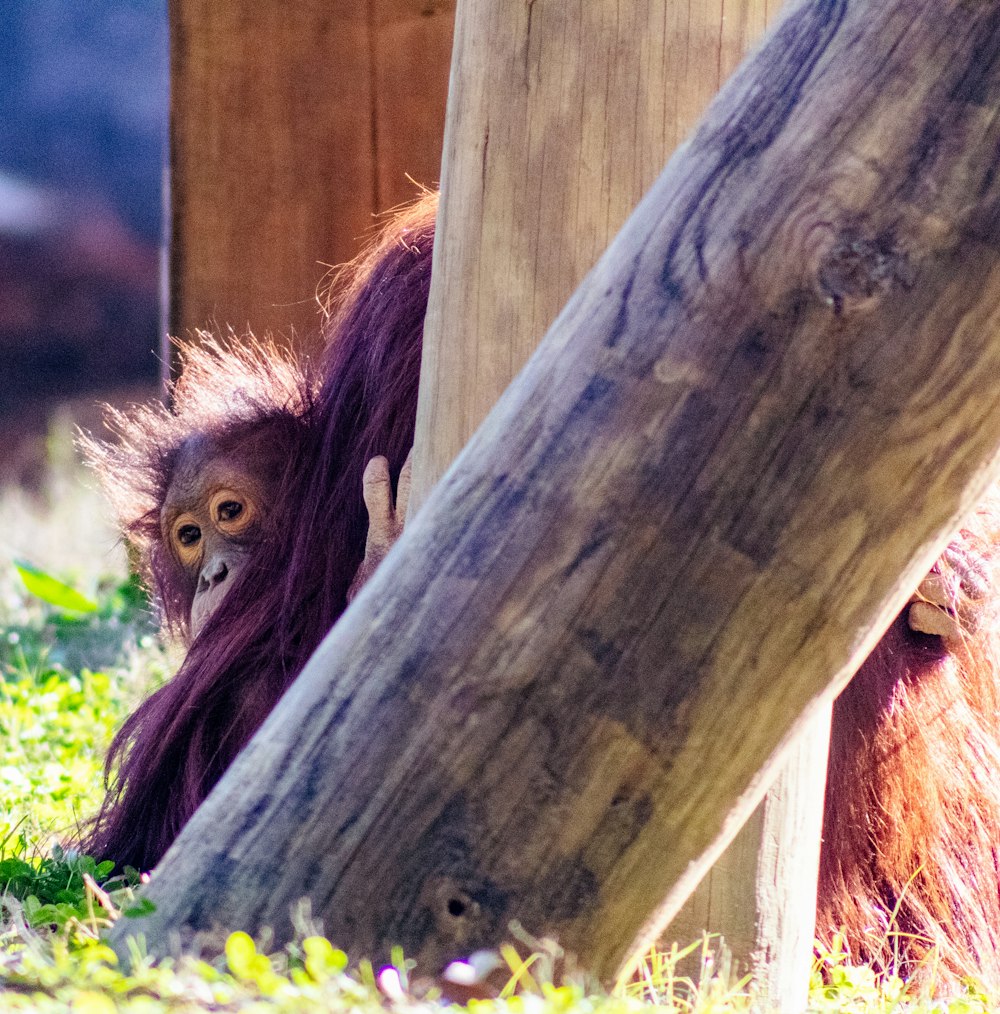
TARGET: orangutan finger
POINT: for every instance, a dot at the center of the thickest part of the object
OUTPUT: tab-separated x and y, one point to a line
403	489
971	570
939	590
376	489
925	618
939	607
377	492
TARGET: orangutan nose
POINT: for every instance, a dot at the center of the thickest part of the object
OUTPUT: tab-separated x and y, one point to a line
212	575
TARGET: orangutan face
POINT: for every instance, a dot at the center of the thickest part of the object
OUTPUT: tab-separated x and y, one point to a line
213	515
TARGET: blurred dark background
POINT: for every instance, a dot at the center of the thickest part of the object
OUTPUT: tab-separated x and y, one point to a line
84	98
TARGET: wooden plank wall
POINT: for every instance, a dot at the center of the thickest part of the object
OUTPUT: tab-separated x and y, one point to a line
291	125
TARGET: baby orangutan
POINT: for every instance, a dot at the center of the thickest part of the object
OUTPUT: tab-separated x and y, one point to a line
248	505
219	507
215	510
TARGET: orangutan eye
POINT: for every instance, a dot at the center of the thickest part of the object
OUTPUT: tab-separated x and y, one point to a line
232	511
229	510
188	535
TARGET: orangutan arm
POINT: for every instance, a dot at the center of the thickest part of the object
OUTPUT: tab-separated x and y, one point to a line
385	517
949	601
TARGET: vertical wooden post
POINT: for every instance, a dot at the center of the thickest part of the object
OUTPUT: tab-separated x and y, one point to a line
291	126
760	896
559	118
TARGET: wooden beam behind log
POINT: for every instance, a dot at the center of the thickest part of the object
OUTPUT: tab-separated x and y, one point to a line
737	450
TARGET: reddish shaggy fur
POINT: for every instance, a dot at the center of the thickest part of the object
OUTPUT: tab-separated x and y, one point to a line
176	745
911	831
913	802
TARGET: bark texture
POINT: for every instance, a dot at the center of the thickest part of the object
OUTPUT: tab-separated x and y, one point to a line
559	124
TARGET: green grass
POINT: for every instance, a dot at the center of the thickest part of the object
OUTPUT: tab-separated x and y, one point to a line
77	651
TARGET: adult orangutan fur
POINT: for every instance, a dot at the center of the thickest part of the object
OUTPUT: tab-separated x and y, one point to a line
911	834
912	820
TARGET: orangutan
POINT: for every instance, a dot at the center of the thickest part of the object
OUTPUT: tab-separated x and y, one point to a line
247	504
911	825
244	504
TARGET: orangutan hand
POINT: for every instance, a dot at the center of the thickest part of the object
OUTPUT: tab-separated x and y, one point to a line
385	518
948	603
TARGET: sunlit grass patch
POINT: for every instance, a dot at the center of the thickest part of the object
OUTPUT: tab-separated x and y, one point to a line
76	654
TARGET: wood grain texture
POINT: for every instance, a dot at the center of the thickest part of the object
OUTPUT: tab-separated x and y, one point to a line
760	895
598	162
412	57
291	126
741	444
562	116
787	858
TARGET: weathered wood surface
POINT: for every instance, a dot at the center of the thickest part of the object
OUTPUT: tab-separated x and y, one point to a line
562	117
291	125
738	448
786	861
490	267
412	42
759	898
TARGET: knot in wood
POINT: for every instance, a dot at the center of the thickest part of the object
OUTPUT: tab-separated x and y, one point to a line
857	268
461	913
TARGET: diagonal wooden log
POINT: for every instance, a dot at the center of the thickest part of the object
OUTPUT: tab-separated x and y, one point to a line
736	451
